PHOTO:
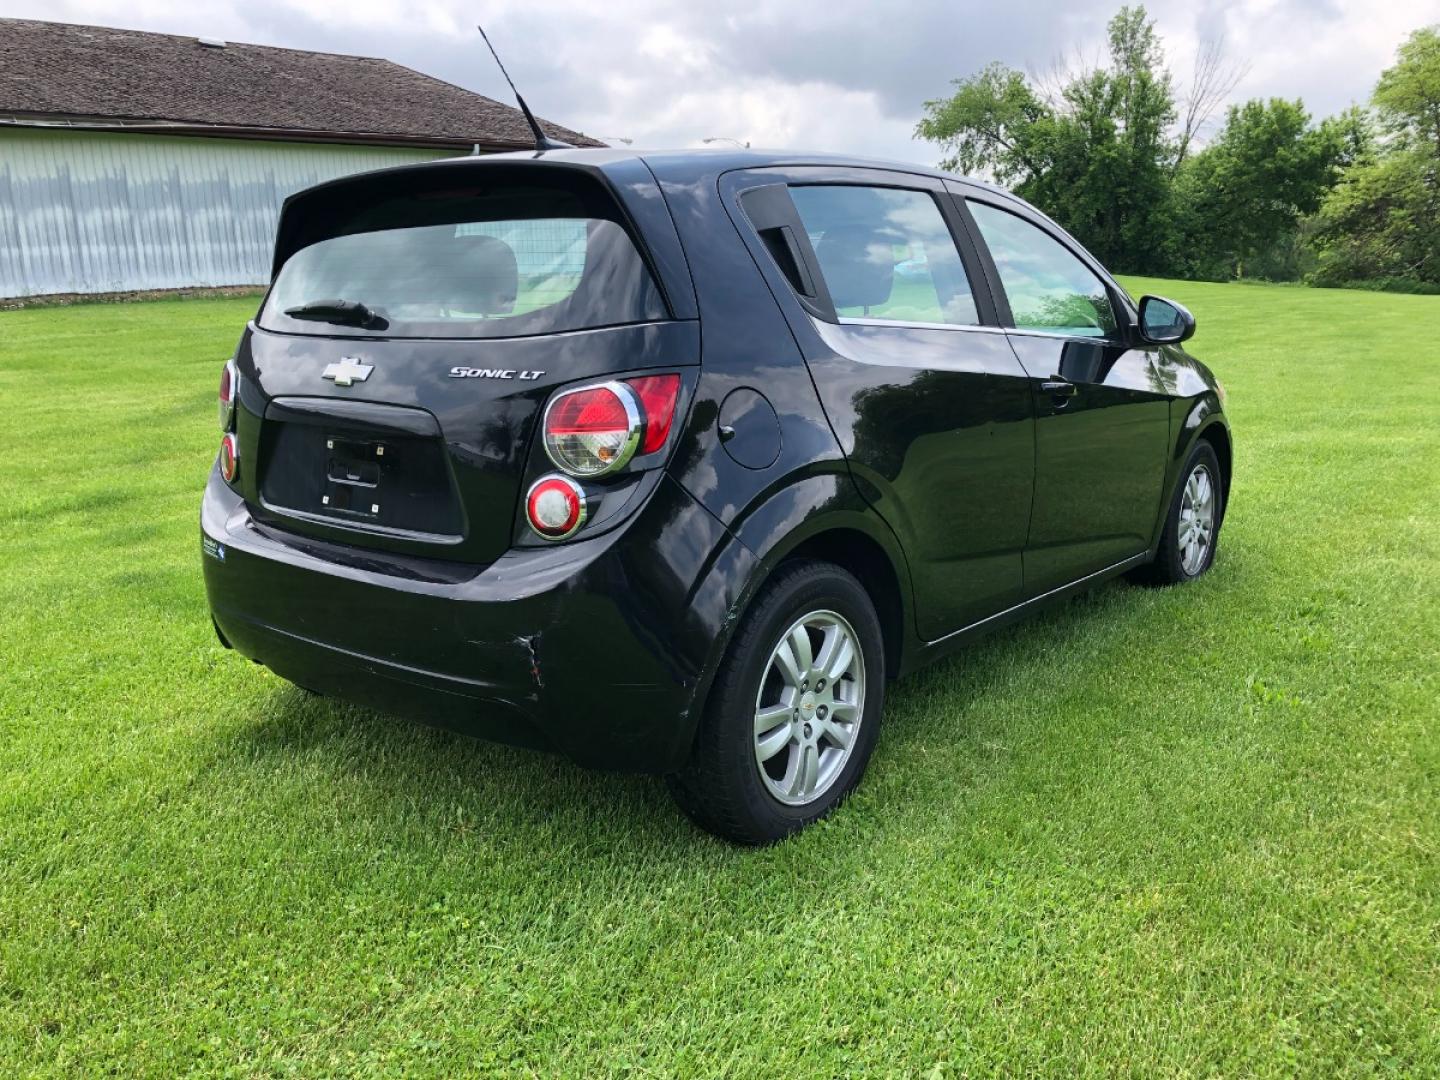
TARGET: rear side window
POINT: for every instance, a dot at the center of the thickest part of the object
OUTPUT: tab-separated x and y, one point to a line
1048	287
478	262
886	253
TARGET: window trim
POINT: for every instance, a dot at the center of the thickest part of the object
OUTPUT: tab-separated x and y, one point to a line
910	324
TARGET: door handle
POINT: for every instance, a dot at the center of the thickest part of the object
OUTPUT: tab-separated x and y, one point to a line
1058	388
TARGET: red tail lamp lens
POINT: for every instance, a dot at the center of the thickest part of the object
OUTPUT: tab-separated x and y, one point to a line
229	457
657	404
594	430
555	507
229	383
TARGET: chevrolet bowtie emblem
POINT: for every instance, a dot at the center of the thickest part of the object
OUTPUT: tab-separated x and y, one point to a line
348	371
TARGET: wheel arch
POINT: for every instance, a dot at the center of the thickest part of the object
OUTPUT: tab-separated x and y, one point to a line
853	539
1217	434
848	533
861	556
1203	419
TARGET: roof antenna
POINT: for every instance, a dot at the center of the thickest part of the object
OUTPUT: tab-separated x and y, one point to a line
542	141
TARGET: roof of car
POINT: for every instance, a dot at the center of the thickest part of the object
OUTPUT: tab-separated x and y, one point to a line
683	166
690	161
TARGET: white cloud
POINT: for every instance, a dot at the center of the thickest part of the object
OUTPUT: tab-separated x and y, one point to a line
848	76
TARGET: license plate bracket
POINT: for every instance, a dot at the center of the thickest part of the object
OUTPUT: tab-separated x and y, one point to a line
354	474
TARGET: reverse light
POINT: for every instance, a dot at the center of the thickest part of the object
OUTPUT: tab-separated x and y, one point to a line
229	457
555	507
229	385
593	431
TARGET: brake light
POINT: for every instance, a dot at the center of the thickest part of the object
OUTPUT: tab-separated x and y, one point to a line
555	507
229	457
229	384
657	406
593	430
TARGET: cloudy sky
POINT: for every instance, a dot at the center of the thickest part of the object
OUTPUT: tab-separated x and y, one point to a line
842	75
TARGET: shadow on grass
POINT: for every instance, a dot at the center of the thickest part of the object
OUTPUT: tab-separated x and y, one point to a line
524	790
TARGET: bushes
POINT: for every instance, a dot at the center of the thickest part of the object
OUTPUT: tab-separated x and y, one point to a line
1390	285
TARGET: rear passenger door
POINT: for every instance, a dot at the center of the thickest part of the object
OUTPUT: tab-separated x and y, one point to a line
882	286
1102	416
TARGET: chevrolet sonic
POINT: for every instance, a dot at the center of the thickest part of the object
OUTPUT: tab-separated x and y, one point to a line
670	462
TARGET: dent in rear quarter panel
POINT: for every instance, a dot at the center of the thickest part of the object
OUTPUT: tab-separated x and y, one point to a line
601	646
674	583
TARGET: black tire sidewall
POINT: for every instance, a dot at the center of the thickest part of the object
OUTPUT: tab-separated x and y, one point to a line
1202	454
730	712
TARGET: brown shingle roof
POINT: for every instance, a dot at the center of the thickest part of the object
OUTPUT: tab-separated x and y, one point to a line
59	70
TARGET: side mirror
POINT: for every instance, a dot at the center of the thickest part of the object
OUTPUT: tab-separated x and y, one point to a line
1164	322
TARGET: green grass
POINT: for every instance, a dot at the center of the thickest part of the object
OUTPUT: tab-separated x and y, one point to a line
1189	831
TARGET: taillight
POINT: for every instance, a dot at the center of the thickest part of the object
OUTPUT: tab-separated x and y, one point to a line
229	457
229	384
657	406
595	430
555	507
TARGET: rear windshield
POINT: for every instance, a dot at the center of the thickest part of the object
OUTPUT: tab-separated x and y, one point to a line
492	261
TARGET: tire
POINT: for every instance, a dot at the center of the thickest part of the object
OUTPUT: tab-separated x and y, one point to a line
1182	556
726	788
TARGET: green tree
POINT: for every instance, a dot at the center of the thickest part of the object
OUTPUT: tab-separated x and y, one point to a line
1408	94
1241	198
1111	156
1097	158
988	125
1381	223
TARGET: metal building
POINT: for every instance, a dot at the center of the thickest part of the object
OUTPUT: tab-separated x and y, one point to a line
133	161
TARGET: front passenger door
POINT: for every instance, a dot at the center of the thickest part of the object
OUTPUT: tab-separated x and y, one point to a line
1102	419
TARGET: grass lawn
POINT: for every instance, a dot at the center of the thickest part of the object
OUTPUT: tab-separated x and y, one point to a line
1189	831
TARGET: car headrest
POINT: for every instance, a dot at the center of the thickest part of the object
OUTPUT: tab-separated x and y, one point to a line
487	276
859	265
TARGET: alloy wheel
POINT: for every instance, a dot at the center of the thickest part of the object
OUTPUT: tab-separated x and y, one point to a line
1196	532
809	707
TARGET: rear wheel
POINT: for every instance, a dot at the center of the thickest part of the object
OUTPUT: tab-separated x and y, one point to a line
1192	527
794	711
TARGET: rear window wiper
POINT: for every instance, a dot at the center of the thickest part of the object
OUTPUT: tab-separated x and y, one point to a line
340	312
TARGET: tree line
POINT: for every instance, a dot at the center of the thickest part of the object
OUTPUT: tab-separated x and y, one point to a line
1111	150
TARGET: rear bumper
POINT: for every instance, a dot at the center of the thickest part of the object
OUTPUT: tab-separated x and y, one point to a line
598	649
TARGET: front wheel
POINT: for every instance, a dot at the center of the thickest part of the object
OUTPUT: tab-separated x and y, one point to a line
1192	527
794	711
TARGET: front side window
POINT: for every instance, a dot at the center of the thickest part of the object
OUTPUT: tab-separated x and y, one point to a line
499	262
1049	288
886	253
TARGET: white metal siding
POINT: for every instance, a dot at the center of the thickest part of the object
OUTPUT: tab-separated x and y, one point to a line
88	212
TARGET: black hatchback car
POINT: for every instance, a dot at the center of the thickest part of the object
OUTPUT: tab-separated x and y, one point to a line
671	461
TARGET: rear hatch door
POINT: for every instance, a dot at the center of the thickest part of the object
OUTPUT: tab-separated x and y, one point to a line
393	380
